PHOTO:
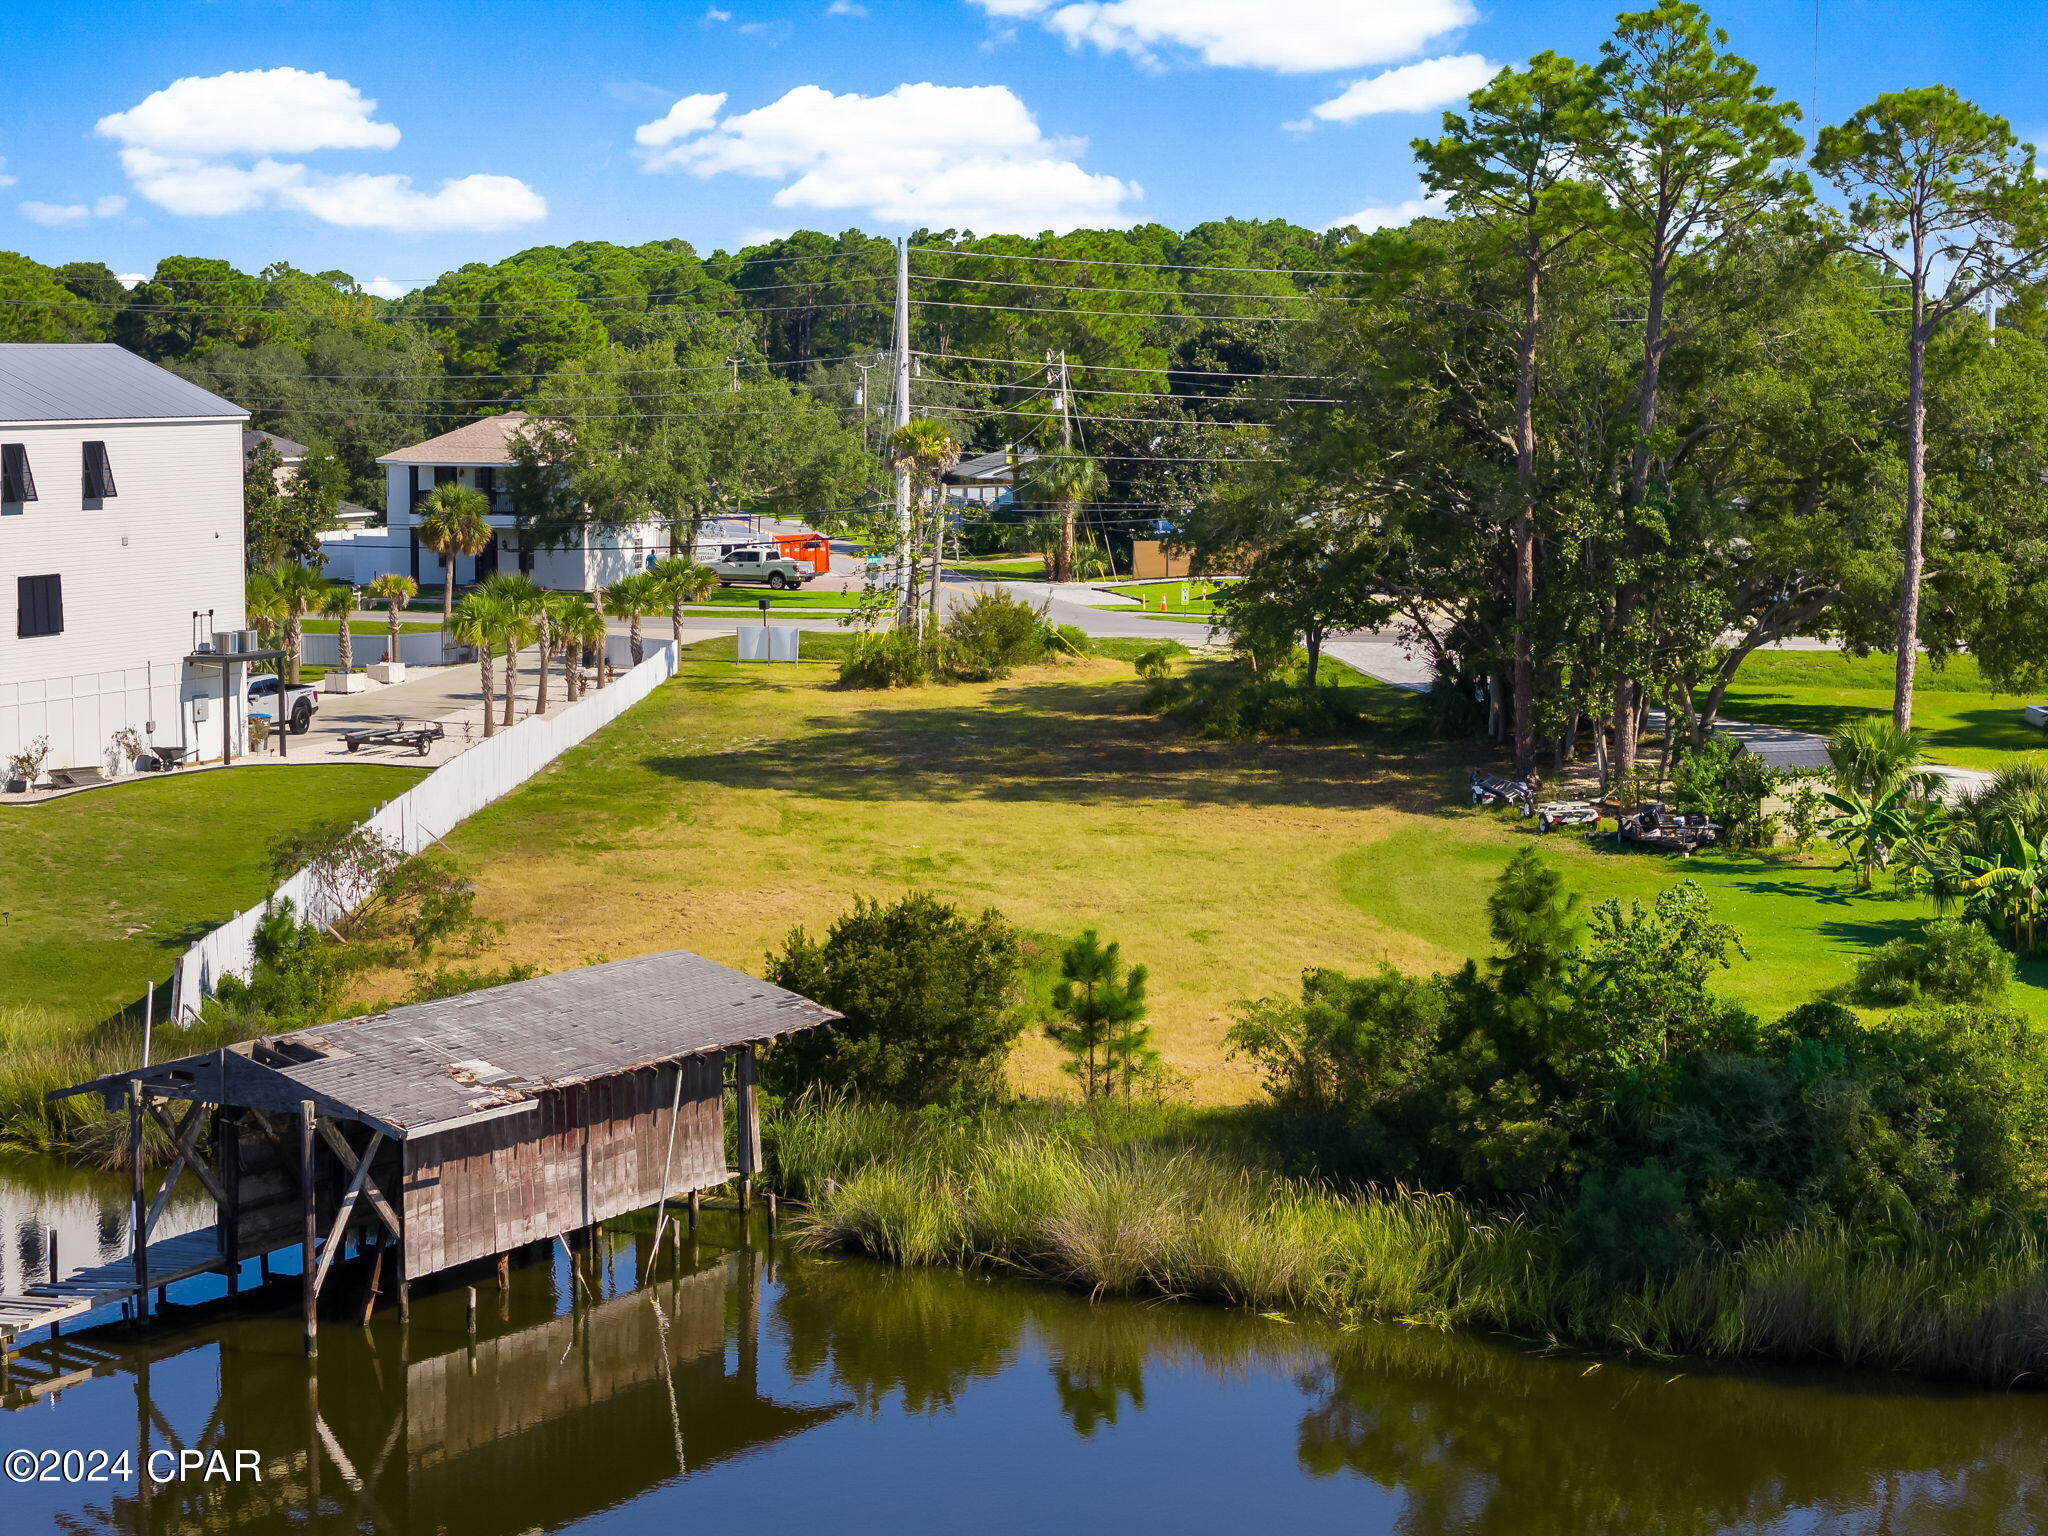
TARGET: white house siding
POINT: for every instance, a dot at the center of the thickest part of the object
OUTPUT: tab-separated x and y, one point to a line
135	568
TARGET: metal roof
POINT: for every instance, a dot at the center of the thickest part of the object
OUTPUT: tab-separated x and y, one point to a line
96	381
427	1066
999	467
1777	746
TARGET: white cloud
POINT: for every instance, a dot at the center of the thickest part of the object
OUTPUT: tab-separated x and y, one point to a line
390	202
1379	216
1290	36
970	157
1423	86
187	149
5	179
251	112
388	287
693	114
57	215
131	279
845	8
715	14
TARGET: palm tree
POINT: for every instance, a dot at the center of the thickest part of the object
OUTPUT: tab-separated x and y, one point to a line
300	588
1872	757
453	521
682	581
265	604
552	622
1066	480
338	602
925	450
394	590
524	600
481	621
635	596
582	628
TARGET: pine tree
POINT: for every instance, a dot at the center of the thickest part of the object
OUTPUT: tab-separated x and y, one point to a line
1107	1045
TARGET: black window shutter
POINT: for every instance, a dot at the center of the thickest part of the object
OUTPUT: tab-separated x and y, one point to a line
99	474
17	483
40	606
487	480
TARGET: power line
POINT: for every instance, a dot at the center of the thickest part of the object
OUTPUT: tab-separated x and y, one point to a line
609	373
1147	394
1151	266
1148	293
1220	373
501	309
1113	314
1152	421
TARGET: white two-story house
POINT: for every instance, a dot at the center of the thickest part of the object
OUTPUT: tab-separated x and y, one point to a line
120	557
480	456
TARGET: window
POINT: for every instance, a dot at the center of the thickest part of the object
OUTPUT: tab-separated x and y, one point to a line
99	474
443	475
487	481
42	606
16	483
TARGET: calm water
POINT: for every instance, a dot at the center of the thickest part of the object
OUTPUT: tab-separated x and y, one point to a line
755	1388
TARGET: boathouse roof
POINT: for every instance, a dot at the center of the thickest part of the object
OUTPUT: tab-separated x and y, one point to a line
430	1066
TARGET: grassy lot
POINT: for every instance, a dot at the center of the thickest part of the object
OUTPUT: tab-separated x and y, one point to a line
1965	721
1199	601
102	891
749	597
1019	568
738	802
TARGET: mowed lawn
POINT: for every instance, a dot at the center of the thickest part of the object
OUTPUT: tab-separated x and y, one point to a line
740	801
1964	721
102	891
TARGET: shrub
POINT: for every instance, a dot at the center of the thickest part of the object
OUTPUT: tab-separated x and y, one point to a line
1066	640
991	636
1953	961
894	658
1730	786
927	994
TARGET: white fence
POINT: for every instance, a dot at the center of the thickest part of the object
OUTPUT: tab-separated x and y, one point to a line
367	643
430	809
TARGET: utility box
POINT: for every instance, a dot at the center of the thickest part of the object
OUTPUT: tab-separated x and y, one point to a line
766	642
812	549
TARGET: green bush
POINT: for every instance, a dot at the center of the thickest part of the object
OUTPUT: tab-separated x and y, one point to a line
1953	961
927	993
1730	786
1066	640
893	658
1231	701
991	636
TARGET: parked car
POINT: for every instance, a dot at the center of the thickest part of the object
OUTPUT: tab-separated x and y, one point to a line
302	702
767	564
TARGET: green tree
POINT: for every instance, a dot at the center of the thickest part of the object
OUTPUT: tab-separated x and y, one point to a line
300	589
927	993
635	597
523	609
581	628
1692	158
1510	163
482	620
338	602
192	305
453	521
925	450
1107	1044
682	581
394	589
1944	198
1066	480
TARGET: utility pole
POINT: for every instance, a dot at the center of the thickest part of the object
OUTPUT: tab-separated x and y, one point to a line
860	398
906	557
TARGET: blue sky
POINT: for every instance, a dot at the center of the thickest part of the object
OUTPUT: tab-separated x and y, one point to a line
396	140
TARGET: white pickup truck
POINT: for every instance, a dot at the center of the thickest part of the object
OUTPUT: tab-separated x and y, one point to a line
765	564
302	702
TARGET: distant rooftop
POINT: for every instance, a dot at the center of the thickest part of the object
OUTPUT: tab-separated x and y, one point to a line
997	468
97	381
286	448
486	442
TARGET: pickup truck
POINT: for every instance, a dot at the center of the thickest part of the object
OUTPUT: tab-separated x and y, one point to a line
302	702
767	565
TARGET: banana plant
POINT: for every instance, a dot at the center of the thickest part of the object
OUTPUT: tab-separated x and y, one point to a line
1869	827
2009	890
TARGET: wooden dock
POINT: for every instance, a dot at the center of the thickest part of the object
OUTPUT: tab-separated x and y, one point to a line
170	1259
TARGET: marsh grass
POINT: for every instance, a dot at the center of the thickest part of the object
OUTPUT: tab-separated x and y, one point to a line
1157	1203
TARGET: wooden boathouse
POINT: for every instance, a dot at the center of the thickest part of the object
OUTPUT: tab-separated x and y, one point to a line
448	1131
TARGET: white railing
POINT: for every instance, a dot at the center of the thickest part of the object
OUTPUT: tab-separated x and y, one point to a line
429	810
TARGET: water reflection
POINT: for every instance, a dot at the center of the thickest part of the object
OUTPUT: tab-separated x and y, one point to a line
761	1387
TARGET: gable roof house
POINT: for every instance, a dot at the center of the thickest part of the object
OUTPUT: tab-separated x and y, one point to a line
479	455
120	557
290	456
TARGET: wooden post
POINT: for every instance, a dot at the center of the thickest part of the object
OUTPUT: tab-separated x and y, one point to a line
749	1128
504	1270
376	1283
140	1218
228	1140
50	1253
696	1205
309	1235
771	1213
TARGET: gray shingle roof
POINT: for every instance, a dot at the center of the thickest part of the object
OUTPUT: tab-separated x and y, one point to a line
480	442
286	448
96	381
996	466
411	1069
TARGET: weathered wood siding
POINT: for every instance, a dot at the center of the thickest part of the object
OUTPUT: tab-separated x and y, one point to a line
582	1155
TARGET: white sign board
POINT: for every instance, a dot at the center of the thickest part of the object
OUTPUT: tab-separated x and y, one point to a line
766	642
